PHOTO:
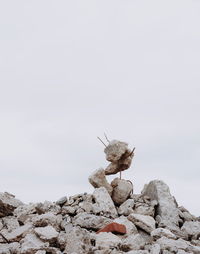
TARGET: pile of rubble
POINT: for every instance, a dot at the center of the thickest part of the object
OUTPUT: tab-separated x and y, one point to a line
111	220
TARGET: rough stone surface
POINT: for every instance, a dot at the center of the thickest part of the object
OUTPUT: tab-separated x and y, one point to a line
145	222
25	212
62	201
10	223
155	248
138	252
12	248
175	245
40	252
98	179
130	227
107	240
104	203
167	207
144	209
18	233
78	241
192	229
122	164
115	150
47	233
47	219
121	190
31	243
133	242
160	232
91	221
8	203
126	208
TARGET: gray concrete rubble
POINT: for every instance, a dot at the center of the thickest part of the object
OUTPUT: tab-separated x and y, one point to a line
167	207
111	220
115	150
145	222
70	225
103	203
90	221
121	190
98	179
127	207
119	155
8	203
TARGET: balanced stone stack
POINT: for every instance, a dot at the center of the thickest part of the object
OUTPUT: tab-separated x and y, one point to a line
120	158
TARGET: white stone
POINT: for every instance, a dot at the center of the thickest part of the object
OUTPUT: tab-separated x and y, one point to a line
8	203
86	206
145	222
62	240
115	150
31	243
175	245
130	227
40	252
78	240
133	242
4	248
104	203
167	207
69	210
160	232
183	252
121	190
52	250
107	240
25	212
192	228
47	233
138	252
10	223
90	221
144	209
47	207
155	248
126	208
13	248
62	201
18	233
98	179
47	219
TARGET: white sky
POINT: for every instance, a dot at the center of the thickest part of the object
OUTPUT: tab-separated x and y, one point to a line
72	70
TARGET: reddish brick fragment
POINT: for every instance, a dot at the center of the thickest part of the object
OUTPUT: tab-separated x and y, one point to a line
114	227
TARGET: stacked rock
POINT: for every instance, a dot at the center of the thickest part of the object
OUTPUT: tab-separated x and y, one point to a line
120	158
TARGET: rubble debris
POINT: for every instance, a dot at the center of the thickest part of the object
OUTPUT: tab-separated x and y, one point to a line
111	220
121	190
98	179
132	226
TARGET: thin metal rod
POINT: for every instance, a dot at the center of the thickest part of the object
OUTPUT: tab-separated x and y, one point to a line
106	137
102	142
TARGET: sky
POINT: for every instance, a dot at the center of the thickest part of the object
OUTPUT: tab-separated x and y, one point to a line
72	70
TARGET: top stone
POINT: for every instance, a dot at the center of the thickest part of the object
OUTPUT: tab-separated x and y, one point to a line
115	150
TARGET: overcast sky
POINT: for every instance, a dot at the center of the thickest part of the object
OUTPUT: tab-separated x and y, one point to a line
72	70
